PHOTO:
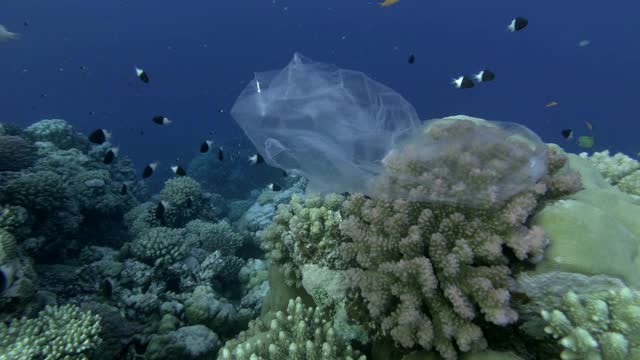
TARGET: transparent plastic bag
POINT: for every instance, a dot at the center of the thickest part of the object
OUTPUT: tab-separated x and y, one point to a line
330	125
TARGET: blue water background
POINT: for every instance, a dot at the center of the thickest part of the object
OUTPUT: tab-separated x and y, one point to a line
201	53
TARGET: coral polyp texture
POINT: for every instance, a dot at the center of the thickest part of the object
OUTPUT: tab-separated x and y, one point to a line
429	269
619	170
300	333
602	325
59	332
466	162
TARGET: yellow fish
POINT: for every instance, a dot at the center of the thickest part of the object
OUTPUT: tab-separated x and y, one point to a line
388	3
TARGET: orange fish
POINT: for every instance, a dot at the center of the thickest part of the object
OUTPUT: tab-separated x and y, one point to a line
589	126
551	104
388	3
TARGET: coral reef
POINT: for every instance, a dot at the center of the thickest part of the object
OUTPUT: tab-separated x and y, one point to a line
619	169
15	153
160	246
423	270
58	132
604	325
62	332
300	333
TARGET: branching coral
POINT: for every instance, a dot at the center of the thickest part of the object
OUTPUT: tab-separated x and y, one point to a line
304	231
613	168
160	246
426	258
619	170
598	326
302	333
58	333
464	162
214	236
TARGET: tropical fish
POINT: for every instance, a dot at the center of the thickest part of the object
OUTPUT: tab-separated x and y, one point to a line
386	3
6	35
205	146
588	125
149	169
274	187
551	104
161	120
518	24
412	59
110	155
256	159
567	133
584	43
99	136
142	75
484	76
586	141
178	170
462	82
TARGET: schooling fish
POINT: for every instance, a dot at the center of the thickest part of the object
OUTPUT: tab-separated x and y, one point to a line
142	75
161	120
484	76
110	155
518	24
256	159
179	171
274	187
205	146
567	133
220	154
99	136
463	82
149	169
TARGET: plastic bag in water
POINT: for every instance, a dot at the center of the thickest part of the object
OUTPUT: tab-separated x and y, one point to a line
330	125
463	161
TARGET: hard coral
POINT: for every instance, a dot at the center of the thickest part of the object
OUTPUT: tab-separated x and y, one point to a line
465	162
185	199
58	132
424	261
15	153
160	246
302	333
604	325
57	333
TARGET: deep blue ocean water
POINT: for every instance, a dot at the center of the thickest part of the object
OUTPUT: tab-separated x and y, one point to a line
76	61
